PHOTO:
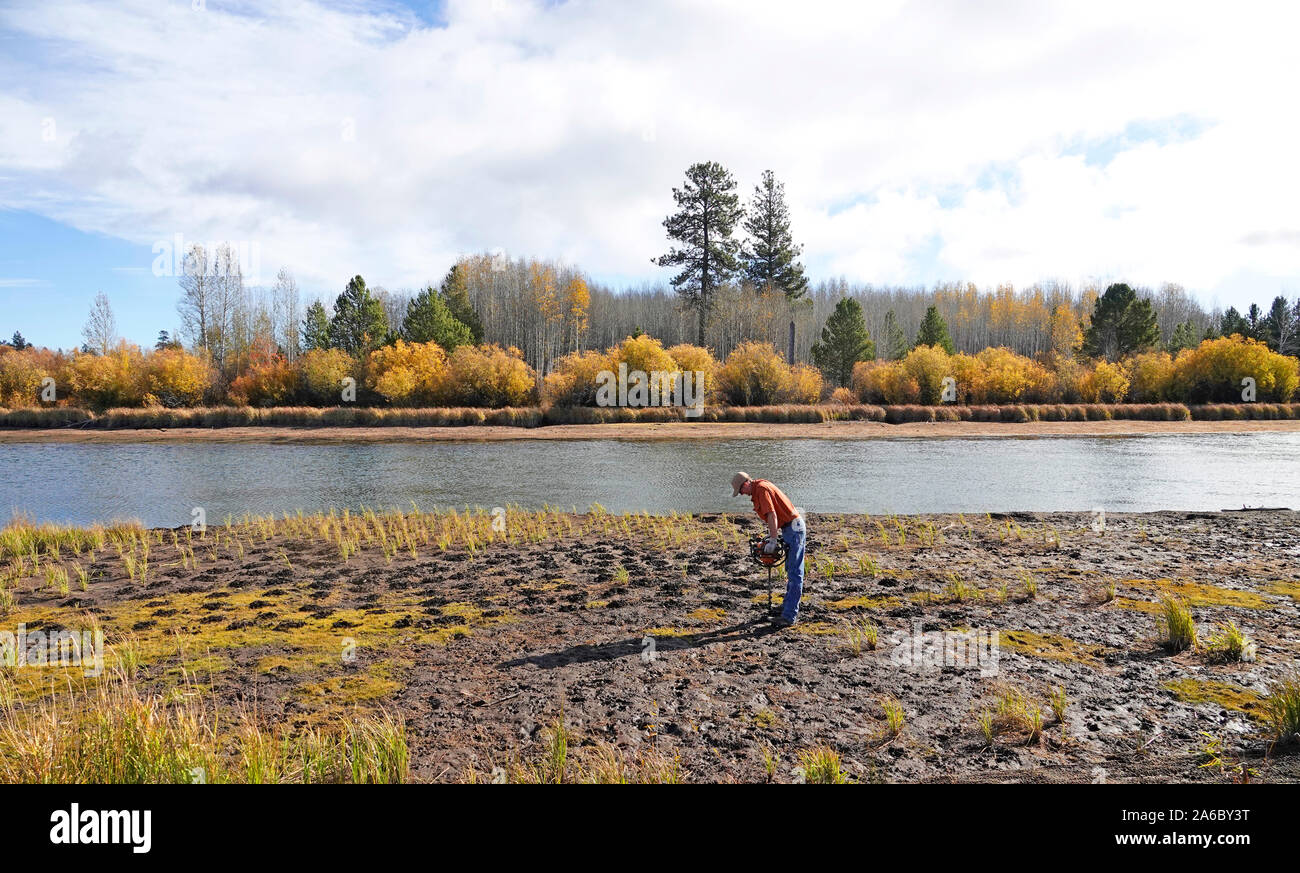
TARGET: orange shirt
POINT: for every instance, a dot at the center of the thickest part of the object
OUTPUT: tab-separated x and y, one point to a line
768	498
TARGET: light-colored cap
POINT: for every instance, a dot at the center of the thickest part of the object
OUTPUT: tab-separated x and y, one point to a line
736	481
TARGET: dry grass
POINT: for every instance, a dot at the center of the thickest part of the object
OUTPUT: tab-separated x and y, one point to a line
533	416
111	732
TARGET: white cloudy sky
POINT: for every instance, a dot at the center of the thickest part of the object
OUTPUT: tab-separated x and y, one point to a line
986	141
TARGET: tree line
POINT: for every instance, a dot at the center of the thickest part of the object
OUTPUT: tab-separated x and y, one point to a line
738	279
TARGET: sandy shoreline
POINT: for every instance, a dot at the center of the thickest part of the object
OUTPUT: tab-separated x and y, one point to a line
650	431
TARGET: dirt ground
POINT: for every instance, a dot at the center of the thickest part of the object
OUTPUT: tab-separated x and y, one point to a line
644	431
659	646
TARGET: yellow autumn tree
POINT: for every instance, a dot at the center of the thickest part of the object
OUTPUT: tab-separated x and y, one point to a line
1217	370
575	378
173	377
755	375
928	366
1151	377
408	374
1105	382
489	375
577	306
322	372
107	380
22	375
1067	335
696	359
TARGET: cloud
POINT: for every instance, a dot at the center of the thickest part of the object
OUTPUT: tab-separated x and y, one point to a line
993	142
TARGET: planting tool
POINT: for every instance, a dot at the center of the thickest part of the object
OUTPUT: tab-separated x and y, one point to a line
770	561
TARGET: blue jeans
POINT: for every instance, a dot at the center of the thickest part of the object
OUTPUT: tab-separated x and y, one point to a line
794	534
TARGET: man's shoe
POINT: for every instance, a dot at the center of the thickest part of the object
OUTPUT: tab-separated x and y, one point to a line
782	621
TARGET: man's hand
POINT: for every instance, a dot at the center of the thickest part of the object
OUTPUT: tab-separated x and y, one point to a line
769	546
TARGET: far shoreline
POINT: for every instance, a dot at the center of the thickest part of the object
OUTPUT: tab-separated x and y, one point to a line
676	430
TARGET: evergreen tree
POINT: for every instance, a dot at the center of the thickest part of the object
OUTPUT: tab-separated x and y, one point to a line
1185	336
165	341
934	331
844	342
1255	321
1280	326
315	328
1232	322
455	293
770	256
1121	324
19	342
430	319
708	210
359	324
893	339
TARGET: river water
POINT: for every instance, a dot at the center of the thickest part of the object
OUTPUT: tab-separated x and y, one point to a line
161	483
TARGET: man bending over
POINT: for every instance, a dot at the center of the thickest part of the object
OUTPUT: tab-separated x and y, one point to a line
778	513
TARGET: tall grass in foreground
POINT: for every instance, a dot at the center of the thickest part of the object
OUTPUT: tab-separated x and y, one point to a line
1230	643
1282	708
112	733
1177	626
821	766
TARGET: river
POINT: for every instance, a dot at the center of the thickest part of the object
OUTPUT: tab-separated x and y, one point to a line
161	483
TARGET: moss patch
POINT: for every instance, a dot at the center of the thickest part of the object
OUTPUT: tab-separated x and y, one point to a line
1285	589
864	602
1051	646
1221	694
352	688
669	632
815	628
1199	593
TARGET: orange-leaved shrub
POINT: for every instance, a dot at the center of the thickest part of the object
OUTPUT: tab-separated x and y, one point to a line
270	380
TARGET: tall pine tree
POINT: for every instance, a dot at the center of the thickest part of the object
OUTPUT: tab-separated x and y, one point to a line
708	210
893	339
430	319
844	342
315	328
1280	326
1185	336
359	324
1232	322
455	293
1121	325
934	331
770	256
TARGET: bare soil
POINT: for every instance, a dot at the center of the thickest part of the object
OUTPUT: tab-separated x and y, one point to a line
669	650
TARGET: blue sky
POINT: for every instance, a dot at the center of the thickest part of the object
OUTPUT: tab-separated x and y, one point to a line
990	142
